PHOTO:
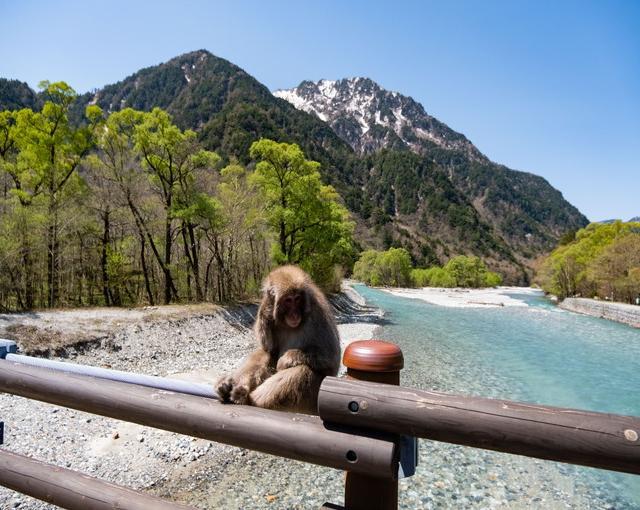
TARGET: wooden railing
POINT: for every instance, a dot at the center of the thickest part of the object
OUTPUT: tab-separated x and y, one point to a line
358	429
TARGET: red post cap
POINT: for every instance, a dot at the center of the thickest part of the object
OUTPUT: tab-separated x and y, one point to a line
373	356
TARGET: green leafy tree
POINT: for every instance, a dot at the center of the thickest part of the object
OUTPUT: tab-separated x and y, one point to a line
312	227
367	268
236	230
420	277
49	151
116	176
566	271
395	267
615	268
492	279
467	271
388	268
440	277
171	158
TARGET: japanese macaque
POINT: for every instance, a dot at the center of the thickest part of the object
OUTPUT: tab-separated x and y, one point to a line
298	345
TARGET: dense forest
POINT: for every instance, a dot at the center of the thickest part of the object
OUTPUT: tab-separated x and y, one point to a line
128	208
601	260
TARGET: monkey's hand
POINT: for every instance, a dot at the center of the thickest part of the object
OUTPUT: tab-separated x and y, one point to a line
232	391
292	358
224	387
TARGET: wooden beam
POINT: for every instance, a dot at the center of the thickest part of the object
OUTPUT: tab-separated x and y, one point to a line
295	436
606	441
69	489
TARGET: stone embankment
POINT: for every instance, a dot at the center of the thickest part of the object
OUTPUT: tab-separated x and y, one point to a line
619	312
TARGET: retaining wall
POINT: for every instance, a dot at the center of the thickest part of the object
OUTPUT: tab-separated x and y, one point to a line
619	312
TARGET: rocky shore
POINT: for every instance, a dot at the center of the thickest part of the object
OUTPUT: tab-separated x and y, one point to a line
619	312
197	343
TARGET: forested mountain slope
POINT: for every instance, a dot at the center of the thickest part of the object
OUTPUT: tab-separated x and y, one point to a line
409	179
15	94
525	210
229	108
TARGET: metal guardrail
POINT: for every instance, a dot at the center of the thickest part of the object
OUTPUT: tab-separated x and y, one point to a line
161	383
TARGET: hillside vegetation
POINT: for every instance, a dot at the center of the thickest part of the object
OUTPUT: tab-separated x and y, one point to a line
601	260
523	211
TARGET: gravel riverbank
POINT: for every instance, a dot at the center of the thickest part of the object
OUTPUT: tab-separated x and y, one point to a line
197	343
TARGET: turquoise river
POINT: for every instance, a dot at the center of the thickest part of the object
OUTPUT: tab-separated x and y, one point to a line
537	353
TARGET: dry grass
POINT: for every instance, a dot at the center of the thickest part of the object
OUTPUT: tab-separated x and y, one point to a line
33	339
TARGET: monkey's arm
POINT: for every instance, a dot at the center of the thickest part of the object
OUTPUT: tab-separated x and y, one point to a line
255	369
319	361
292	389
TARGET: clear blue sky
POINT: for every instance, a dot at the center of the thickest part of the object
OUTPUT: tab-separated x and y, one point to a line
548	87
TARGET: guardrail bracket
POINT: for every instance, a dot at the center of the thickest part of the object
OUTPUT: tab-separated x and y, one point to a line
7	347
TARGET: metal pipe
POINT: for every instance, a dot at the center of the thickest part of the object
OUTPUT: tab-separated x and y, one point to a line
161	383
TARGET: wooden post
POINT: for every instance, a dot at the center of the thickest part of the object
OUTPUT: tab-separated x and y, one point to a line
375	361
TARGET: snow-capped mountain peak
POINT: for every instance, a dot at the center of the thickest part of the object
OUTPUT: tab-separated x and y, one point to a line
370	118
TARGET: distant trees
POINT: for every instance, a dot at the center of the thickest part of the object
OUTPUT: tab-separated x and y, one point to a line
602	260
128	208
394	268
389	268
616	270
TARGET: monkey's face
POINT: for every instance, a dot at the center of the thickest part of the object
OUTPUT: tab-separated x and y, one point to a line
290	309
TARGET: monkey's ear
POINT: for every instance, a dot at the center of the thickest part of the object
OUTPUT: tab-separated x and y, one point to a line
264	334
306	299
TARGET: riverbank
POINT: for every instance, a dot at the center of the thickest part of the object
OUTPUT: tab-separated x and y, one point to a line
618	312
466	298
192	342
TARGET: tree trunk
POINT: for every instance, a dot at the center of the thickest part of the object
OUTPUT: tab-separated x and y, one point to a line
187	254
283	239
145	271
142	228
27	263
168	283
103	258
195	261
53	262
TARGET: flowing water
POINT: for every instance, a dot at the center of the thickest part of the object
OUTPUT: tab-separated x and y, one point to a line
537	353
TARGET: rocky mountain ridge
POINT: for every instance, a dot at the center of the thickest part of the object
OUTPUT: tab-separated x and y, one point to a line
371	118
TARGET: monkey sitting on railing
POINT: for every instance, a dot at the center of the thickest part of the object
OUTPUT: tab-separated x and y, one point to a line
298	345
